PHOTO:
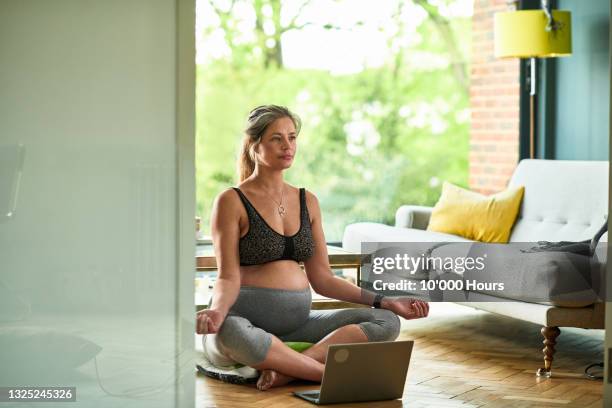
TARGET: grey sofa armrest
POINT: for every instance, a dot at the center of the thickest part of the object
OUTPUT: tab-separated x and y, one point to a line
413	216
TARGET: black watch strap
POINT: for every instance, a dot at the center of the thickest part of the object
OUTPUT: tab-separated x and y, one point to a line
377	299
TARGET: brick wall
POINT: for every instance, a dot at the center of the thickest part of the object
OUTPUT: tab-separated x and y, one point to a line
494	102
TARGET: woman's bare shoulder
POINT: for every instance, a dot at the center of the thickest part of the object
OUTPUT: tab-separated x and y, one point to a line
312	203
228	200
227	195
311	198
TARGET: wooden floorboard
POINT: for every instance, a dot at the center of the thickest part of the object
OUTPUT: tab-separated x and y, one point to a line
462	358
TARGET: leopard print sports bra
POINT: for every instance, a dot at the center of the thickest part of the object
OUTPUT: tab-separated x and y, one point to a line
262	244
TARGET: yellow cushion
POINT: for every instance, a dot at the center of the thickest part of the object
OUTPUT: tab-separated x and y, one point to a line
476	216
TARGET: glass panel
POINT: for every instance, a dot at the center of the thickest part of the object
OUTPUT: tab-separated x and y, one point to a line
89	267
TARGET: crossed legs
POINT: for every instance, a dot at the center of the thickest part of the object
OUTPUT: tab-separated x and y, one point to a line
239	340
281	367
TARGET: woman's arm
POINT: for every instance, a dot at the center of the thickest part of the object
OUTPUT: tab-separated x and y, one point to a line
325	283
225	230
321	278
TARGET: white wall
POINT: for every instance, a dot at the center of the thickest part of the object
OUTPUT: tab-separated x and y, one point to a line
99	95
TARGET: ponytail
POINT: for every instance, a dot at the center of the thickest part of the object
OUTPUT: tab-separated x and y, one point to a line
246	164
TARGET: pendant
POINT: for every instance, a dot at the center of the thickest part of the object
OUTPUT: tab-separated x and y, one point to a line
281	211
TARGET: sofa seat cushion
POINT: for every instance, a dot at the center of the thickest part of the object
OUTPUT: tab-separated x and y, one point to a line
355	234
557	278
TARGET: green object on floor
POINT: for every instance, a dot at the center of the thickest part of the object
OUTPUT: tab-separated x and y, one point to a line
299	346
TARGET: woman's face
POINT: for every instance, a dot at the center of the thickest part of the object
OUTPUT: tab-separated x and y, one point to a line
278	144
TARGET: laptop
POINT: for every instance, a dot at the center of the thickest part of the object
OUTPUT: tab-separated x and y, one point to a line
358	372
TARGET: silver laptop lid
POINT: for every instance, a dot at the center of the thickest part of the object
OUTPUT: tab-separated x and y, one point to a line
365	371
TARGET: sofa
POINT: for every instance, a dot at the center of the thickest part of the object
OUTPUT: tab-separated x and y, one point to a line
563	201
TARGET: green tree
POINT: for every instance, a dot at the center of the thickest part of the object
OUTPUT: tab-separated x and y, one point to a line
372	140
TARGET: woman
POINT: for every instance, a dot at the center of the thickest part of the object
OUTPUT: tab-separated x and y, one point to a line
261	231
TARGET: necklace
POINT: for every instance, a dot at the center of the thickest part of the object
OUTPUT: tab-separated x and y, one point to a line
280	207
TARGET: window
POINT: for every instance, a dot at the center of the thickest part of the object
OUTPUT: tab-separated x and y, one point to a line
381	87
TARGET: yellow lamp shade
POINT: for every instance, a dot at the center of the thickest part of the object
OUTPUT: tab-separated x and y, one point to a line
522	34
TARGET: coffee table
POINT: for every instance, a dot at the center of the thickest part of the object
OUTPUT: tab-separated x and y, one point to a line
338	259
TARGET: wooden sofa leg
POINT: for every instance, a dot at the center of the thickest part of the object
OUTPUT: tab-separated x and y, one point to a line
550	336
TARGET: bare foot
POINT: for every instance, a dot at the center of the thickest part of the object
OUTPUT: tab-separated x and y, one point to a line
271	378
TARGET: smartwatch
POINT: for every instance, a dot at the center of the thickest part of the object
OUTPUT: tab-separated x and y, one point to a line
377	299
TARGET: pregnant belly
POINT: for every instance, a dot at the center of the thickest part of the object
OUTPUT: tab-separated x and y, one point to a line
284	274
277	311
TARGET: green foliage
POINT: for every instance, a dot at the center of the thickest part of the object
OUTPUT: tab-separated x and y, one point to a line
370	141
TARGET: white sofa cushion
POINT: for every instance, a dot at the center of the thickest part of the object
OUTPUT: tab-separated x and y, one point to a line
355	234
564	200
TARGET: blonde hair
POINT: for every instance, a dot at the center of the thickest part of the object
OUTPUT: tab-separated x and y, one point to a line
259	119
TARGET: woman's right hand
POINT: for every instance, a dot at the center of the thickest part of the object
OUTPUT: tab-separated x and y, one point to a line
208	321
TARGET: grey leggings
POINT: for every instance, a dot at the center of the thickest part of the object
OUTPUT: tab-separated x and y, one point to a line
259	313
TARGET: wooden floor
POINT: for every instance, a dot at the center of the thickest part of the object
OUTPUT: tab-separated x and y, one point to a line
462	358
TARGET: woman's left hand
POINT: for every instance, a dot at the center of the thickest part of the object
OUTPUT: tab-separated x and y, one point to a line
406	307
